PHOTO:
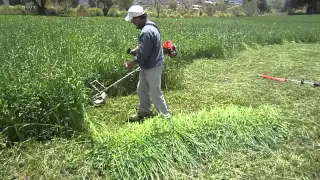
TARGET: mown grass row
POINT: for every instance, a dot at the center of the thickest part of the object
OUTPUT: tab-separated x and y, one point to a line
49	62
160	149
155	150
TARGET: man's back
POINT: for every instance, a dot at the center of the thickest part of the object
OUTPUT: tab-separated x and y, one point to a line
150	52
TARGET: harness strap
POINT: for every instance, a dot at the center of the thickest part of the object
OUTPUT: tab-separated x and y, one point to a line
153	26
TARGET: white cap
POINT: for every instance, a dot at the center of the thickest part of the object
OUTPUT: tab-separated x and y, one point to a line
134	11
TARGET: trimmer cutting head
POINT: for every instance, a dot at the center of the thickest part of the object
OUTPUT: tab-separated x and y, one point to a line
101	96
99	100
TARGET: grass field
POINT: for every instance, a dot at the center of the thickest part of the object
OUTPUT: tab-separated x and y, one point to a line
228	122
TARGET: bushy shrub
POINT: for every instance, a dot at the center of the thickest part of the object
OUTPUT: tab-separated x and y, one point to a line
122	13
152	14
12	10
82	10
205	15
113	12
18	9
175	15
183	11
163	15
60	11
237	11
240	14
297	12
223	15
95	12
187	15
51	11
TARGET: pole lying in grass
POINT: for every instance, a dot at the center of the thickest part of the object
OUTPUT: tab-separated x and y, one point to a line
314	84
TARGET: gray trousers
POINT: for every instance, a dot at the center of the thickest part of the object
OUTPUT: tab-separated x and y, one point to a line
149	87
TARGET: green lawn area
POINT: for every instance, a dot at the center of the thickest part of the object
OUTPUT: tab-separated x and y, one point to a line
245	127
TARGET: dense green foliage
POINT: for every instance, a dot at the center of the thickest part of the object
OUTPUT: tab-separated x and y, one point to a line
48	62
229	124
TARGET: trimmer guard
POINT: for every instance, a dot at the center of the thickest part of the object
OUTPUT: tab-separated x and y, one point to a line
100	97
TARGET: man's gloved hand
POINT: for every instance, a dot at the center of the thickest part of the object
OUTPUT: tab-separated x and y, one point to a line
132	52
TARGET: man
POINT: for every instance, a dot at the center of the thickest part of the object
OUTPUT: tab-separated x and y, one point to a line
150	58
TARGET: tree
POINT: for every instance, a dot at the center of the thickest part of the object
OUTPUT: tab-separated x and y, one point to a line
185	3
251	7
41	6
157	6
68	3
264	6
173	5
106	5
125	4
15	2
93	3
277	5
74	3
313	6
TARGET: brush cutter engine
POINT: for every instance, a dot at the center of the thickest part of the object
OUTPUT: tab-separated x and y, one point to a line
169	49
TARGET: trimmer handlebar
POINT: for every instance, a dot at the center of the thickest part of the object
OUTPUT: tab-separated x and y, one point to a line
129	50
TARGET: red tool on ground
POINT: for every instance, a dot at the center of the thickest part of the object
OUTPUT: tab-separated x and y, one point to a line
314	84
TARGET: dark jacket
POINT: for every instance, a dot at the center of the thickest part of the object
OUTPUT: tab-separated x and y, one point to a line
150	52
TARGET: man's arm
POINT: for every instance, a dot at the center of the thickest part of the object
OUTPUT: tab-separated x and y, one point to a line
144	48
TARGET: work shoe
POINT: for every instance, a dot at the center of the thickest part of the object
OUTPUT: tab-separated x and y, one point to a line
139	118
167	117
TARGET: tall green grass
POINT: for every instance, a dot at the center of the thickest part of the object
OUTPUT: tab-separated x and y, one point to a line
160	149
292	115
48	62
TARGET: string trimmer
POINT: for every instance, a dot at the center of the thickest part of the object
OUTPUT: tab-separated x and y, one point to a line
314	84
100	97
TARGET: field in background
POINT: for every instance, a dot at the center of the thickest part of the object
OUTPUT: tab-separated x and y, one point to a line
49	61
